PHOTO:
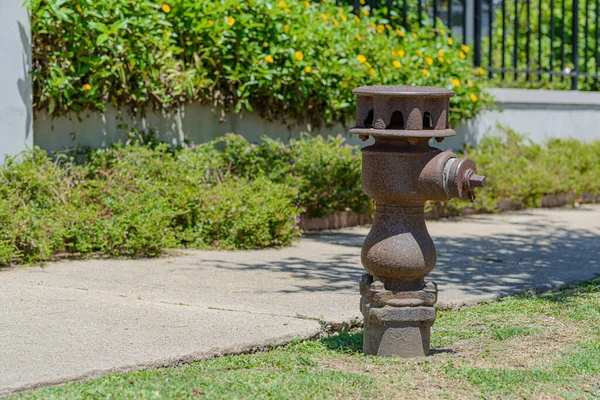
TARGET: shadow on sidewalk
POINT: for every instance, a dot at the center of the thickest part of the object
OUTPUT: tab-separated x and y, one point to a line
543	254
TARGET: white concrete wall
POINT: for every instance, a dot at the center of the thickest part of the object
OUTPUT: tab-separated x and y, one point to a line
540	114
16	116
193	124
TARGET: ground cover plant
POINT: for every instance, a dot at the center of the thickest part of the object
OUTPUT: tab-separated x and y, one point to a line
294	61
528	346
138	199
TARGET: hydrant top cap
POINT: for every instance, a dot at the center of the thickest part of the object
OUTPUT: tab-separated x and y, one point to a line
403	91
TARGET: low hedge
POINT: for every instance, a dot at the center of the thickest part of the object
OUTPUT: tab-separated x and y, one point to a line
136	200
293	61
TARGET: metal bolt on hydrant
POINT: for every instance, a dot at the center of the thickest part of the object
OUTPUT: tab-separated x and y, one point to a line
400	171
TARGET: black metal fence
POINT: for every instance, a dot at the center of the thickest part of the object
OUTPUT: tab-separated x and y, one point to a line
529	43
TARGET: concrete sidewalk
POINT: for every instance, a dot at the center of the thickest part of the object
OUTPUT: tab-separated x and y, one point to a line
79	319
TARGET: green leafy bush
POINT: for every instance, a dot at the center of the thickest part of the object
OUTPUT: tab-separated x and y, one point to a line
293	61
521	170
326	171
136	201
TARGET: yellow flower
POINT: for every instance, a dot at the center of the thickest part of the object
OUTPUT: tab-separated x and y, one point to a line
307	69
368	64
265	44
450	41
473	97
210	22
325	17
388	27
425	72
419	53
429	61
394	52
442	31
87	86
230	21
361	58
415	36
465	48
166	8
358	37
281	4
365	11
441	52
400	53
269	59
470	84
167	33
462	55
371	72
380	28
288	10
455	82
400	32
441	59
343	17
79	9
448	61
335	21
363	2
286	28
356	19
480	71
307	4
397	64
299	56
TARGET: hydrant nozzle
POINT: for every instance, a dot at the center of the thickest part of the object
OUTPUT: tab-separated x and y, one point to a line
400	172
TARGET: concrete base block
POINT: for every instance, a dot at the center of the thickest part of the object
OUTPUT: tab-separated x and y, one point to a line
396	340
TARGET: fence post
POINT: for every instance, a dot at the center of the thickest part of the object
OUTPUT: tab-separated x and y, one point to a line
477	33
575	45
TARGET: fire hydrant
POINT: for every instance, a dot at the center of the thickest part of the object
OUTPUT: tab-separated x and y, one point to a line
400	171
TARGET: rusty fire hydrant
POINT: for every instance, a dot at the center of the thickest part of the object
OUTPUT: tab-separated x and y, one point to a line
400	171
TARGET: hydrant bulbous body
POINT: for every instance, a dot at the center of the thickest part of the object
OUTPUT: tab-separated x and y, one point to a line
401	172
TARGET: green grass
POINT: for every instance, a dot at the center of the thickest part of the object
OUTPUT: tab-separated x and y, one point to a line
527	346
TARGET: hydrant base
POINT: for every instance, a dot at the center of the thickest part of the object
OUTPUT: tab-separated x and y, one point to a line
397	324
398	340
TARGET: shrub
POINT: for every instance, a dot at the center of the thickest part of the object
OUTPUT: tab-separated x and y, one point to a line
136	201
326	171
521	170
293	61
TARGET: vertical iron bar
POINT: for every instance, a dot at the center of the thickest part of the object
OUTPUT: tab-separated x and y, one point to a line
563	39
540	41
435	13
586	34
477	34
503	37
389	11
551	38
405	13
597	34
575	44
528	39
357	7
516	40
420	8
490	17
464	21
450	17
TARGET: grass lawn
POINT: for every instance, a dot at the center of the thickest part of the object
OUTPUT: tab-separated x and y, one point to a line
543	347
